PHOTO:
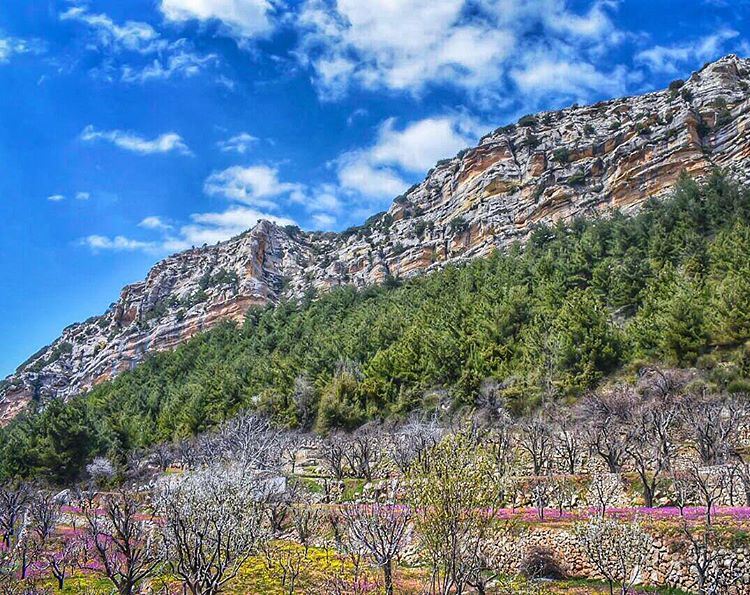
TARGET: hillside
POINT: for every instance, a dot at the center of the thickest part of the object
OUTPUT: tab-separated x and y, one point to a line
553	166
575	306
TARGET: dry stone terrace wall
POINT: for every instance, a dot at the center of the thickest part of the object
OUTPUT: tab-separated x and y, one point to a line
549	167
665	567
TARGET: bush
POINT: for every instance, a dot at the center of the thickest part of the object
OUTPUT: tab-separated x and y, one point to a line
540	562
561	155
577	179
527	121
458	225
676	85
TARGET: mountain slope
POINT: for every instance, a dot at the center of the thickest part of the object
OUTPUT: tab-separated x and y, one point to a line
549	167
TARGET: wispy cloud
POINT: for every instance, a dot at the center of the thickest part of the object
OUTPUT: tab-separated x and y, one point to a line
56	198
14	46
153	222
242	19
239	143
152	56
129	141
182	63
254	185
134	36
672	59
117	243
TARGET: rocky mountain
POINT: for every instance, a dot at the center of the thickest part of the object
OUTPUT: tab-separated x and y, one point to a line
547	167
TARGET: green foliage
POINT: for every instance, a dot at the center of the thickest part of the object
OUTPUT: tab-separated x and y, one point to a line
458	225
676	85
561	155
549	319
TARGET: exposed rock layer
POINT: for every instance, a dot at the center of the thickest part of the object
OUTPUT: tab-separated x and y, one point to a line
549	167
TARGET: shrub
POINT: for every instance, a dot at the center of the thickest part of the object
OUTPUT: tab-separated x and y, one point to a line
676	85
540	562
527	121
577	178
561	155
458	225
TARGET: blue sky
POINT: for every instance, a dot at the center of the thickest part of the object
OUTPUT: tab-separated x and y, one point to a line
131	129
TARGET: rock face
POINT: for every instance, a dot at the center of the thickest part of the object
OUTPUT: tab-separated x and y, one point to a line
548	167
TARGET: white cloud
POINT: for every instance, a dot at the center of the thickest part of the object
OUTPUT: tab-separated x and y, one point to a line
399	45
13	46
209	228
470	44
153	222
243	19
132	36
420	144
543	76
240	143
182	63
204	228
357	174
671	59
83	195
254	185
170	58
129	141
376	171
56	197
117	243
323	221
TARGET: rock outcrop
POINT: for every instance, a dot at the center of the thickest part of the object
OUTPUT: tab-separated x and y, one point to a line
548	167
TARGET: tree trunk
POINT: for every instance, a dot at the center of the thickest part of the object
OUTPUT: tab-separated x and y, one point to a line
648	495
388	577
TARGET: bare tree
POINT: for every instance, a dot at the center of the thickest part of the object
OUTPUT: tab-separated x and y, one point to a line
380	530
61	554
542	489
411	443
742	468
307	521
606	429
711	424
211	522
122	540
713	567
650	443
535	439
332	455
604	489
567	442
14	499
41	519
617	550
289	561
364	451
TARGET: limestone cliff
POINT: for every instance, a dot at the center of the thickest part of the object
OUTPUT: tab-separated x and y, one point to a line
547	167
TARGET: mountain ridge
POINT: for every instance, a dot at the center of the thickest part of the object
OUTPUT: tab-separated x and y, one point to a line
554	165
